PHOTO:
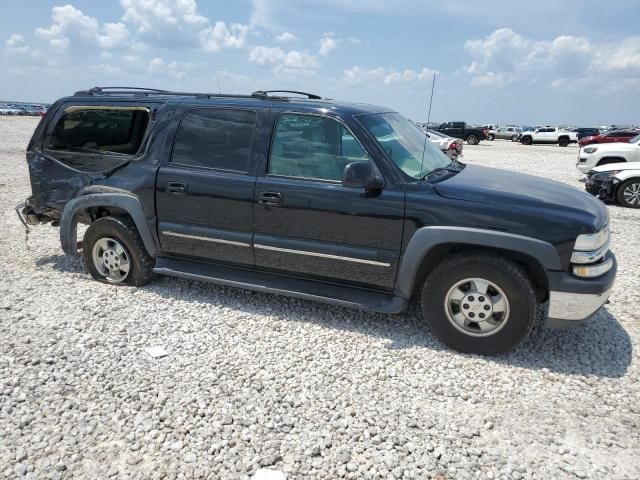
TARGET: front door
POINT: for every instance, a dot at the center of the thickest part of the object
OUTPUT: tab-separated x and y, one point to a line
308	224
204	195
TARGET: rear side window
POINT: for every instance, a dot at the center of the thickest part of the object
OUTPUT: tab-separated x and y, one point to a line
99	130
215	138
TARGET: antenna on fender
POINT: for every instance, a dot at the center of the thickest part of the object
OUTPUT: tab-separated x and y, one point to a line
426	135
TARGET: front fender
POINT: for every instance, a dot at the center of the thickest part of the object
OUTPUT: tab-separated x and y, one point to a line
130	203
427	238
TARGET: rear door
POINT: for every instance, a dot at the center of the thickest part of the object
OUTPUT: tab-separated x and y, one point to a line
204	193
307	223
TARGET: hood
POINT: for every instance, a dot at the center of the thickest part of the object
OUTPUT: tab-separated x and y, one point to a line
614	147
503	187
610	167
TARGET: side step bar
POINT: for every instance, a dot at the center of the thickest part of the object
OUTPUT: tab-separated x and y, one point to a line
344	296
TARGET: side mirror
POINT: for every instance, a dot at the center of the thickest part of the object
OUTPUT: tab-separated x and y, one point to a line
362	175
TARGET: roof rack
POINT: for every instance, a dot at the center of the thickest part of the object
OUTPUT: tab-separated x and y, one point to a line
145	92
311	96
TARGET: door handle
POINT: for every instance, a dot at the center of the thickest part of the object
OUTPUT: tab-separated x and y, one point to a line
270	198
176	188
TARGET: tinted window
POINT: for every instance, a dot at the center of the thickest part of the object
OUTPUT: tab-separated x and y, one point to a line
458	124
100	130
307	146
215	138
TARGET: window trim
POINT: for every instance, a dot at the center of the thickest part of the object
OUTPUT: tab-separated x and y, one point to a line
170	162
309	179
127	157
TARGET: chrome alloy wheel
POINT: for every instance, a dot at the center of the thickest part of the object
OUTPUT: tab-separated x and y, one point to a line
111	259
477	307
631	194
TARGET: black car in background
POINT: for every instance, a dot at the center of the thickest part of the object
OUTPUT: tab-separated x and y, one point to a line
586	132
297	195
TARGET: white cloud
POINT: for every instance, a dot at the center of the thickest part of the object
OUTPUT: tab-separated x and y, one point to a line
567	62
286	37
156	16
219	36
16	44
72	27
328	43
357	75
278	58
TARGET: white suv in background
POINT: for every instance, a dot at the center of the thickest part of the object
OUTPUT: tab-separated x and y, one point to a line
598	154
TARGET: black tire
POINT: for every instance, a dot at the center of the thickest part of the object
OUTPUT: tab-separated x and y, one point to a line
123	230
491	137
526	140
563	141
509	277
472	140
627	193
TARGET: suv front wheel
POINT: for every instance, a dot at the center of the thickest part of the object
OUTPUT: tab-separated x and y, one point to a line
479	303
114	253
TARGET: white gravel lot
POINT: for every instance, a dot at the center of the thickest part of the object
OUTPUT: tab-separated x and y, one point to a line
254	380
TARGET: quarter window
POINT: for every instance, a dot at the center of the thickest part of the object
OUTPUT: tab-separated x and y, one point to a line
215	138
100	129
312	147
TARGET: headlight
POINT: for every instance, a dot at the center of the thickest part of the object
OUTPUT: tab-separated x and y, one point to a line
604	175
590	149
593	241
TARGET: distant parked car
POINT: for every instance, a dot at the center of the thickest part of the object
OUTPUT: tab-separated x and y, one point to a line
6	109
586	132
617	136
472	135
548	135
607	153
450	146
505	133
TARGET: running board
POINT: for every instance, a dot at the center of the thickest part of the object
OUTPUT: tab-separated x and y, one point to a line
344	296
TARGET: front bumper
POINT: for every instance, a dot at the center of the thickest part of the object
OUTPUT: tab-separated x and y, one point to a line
573	300
600	188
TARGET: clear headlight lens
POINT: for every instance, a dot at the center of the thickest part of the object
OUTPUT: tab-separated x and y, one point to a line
593	241
590	149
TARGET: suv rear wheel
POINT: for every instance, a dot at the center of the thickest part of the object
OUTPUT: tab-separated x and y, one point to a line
479	303
472	140
114	252
491	137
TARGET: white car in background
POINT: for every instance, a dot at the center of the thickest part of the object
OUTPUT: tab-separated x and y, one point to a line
618	182
452	147
595	155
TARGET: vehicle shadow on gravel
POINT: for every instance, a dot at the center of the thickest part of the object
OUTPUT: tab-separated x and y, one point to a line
599	347
62	263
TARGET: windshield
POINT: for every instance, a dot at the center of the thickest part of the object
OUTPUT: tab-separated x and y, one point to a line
405	144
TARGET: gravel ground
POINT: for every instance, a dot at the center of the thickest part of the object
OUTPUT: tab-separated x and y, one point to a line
254	380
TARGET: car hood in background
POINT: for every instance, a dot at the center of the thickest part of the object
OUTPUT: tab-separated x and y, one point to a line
503	187
610	167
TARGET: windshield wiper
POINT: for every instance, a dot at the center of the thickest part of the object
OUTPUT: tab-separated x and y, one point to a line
453	168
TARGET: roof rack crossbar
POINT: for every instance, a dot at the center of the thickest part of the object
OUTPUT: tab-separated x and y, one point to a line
311	96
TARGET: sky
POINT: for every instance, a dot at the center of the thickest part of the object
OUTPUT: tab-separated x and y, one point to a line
544	62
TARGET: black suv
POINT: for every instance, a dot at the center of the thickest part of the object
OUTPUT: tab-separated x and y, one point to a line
337	202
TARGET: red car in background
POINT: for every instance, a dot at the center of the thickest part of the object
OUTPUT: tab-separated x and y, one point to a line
616	136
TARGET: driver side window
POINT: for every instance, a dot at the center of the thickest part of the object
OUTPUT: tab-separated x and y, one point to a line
312	147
